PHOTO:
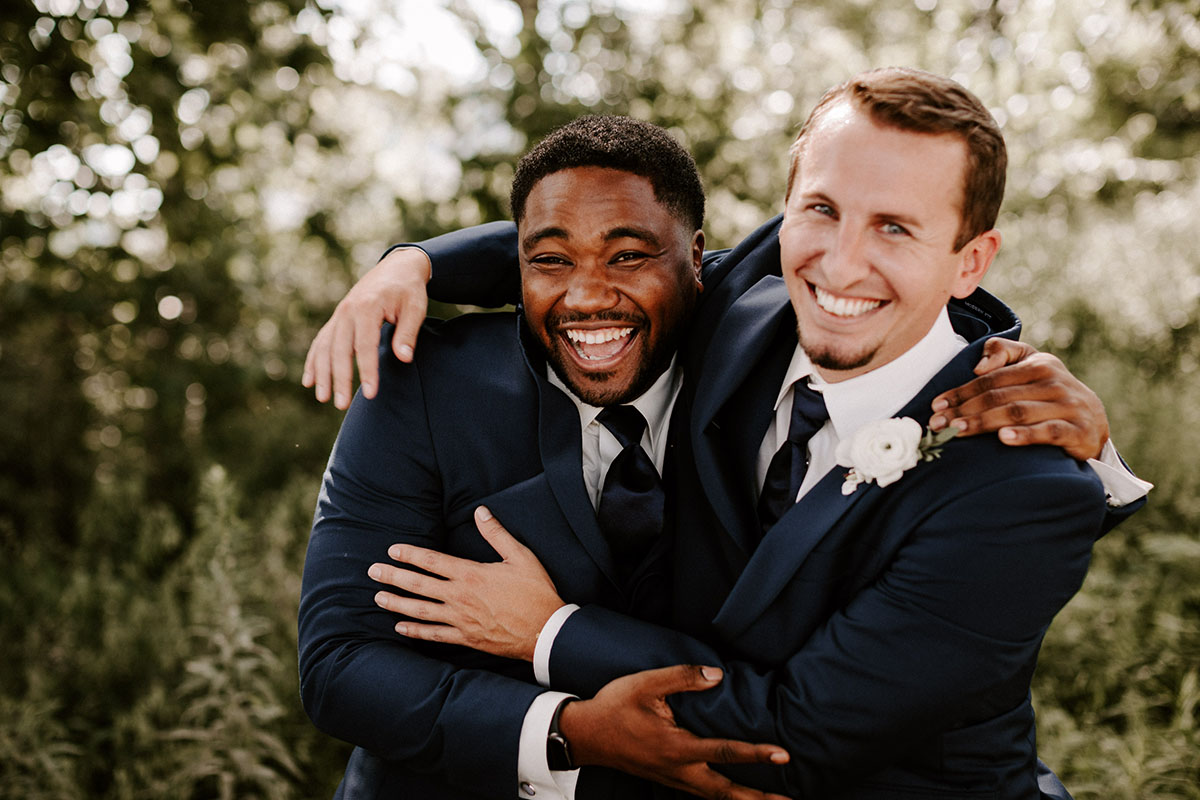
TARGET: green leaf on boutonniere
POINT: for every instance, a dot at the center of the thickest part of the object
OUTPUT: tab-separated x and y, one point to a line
931	443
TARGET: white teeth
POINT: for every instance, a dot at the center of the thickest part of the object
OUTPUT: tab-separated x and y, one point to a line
597	336
844	306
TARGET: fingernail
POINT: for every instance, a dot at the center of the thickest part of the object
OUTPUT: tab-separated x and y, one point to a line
941	404
401	629
710	673
368	389
375	571
1008	435
405	353
306	379
483	514
779	758
937	423
394	552
339	400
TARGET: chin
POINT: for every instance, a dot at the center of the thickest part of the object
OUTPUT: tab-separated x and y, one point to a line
839	361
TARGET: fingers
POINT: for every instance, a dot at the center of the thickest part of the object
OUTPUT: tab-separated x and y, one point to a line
392	290
977	419
309	377
1039	377
446	566
731	751
415	607
409	581
426	623
408	324
316	364
498	536
341	357
1079	443
366	356
999	352
672	680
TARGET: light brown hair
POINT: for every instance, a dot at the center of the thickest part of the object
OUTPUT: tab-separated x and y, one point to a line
921	102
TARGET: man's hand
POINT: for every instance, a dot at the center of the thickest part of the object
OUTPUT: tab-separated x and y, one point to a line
393	291
1030	398
499	608
629	726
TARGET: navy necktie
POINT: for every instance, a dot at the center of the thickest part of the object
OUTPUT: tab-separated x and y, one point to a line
632	501
790	462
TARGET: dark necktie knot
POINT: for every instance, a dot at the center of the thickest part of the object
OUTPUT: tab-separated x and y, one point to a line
632	500
786	471
808	413
626	423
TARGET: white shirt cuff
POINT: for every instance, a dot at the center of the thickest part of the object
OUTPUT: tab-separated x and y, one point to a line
535	779
1121	485
545	643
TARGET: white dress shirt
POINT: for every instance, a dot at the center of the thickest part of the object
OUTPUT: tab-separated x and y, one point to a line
600	447
882	392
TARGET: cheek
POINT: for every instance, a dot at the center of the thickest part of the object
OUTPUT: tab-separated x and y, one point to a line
536	297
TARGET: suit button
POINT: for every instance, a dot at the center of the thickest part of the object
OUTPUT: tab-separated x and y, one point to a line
527	789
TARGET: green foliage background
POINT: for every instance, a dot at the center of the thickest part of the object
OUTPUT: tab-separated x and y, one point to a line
186	188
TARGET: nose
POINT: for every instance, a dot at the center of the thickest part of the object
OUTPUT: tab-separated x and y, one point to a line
590	289
846	261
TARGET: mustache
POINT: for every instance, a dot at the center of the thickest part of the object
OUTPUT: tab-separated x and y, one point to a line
568	317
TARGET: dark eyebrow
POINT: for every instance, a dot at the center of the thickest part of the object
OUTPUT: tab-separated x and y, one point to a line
900	219
545	233
620	232
630	232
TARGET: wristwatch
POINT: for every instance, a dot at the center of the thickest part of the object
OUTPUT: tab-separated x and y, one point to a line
558	750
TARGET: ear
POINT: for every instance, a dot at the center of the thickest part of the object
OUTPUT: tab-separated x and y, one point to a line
976	257
698	258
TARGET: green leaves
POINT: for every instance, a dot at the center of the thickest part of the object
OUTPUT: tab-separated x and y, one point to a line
931	443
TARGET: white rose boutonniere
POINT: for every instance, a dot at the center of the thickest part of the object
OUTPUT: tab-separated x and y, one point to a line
882	451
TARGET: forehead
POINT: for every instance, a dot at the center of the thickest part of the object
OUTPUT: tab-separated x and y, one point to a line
849	153
589	200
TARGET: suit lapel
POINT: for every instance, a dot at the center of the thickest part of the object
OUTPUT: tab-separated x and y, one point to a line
735	395
783	551
562	454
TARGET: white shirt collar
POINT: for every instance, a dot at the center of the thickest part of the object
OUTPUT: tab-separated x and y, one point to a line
883	391
655	403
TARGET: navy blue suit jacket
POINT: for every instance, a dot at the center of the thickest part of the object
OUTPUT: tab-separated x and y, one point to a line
886	639
472	421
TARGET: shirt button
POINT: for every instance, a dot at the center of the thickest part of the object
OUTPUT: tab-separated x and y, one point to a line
527	789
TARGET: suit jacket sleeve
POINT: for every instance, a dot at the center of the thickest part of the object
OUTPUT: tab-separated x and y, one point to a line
406	701
946	634
480	265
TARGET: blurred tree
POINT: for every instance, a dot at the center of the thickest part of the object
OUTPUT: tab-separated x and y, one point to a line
136	321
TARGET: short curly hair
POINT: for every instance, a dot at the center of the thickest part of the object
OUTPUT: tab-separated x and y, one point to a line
620	143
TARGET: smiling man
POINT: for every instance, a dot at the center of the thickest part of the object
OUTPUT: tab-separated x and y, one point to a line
608	319
558	419
881	624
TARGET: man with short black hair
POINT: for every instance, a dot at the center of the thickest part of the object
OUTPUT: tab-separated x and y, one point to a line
505	410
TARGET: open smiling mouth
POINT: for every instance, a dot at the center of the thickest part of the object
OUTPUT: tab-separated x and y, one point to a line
845	307
600	346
